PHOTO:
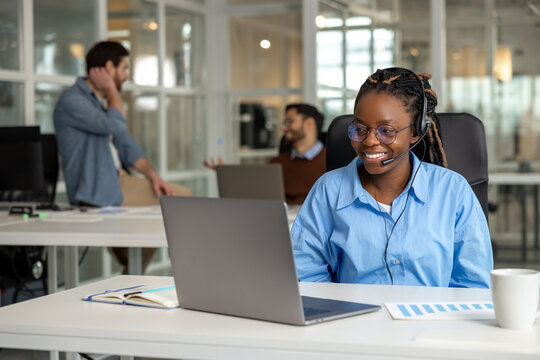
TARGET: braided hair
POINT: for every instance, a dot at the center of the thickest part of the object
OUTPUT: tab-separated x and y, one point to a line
405	85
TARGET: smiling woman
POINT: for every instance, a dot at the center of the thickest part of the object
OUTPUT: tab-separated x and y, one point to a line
389	217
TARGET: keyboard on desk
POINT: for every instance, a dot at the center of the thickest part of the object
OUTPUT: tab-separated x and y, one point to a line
310	312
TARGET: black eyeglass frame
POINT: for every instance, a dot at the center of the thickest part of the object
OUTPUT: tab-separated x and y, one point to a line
353	128
288	122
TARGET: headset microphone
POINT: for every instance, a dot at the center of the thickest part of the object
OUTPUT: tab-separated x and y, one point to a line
391	160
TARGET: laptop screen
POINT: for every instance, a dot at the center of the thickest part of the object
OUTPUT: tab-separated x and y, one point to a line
253	181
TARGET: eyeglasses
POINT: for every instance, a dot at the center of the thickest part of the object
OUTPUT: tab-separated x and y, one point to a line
386	134
288	121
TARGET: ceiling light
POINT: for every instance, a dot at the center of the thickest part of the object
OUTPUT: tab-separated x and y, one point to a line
265	44
319	21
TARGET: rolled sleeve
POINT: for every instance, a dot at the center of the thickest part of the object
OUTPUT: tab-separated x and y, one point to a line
129	150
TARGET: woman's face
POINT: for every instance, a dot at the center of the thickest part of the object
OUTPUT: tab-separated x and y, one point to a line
376	109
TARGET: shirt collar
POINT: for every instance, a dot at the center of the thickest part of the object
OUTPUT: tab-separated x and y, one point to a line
86	89
351	187
83	86
310	154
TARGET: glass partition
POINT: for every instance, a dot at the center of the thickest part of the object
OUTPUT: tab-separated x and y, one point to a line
10	44
63	33
354	40
185	135
182	62
266	51
46	97
266	73
143	121
134	24
11	103
258	125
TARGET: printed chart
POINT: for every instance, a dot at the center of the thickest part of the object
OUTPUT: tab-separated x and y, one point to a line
441	311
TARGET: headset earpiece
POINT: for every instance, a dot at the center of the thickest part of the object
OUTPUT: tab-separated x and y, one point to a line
422	123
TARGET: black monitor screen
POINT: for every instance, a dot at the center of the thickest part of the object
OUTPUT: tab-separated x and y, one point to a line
21	164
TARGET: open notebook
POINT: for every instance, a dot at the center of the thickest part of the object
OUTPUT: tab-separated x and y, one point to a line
163	297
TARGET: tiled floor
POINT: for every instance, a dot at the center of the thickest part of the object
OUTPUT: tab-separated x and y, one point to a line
508	254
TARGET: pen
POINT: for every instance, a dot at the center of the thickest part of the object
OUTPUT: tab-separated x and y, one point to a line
150	290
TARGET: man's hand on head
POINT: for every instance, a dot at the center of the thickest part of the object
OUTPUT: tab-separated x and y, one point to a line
101	79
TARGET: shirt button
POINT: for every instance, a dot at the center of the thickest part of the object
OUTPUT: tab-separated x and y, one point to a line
398	262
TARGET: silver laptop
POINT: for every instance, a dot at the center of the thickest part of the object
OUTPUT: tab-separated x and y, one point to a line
234	257
252	181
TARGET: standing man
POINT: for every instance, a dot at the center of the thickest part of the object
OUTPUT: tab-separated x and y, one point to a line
305	162
93	141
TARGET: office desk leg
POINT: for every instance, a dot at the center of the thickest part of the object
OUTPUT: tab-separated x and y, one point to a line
52	282
523	224
52	270
134	261
535	216
71	266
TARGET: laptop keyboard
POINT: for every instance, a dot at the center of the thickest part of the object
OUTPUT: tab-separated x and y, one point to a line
310	312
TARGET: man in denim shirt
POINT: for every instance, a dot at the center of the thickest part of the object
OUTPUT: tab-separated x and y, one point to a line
93	141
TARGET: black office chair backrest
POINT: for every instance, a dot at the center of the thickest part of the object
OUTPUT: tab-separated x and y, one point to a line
339	151
464	142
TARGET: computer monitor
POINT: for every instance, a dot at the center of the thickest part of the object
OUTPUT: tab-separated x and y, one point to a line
21	163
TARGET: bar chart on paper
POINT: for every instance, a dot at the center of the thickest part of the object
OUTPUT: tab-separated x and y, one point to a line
482	310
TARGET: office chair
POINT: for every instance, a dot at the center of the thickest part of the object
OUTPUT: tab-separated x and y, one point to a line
464	142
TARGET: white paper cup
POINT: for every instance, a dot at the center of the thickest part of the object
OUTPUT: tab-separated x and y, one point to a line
515	295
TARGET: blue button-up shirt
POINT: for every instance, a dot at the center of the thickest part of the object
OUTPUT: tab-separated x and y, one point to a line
310	154
83	128
441	239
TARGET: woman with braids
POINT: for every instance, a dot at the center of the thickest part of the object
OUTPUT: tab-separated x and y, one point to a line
392	216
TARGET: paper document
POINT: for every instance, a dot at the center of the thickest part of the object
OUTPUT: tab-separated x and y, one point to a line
73	218
143	210
478	310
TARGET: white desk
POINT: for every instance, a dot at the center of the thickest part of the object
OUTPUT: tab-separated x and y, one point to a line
131	230
71	230
63	322
521	180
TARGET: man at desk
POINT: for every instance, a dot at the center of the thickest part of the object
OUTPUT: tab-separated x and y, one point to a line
94	144
304	161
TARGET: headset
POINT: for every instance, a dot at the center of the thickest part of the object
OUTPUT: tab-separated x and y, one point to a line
421	123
